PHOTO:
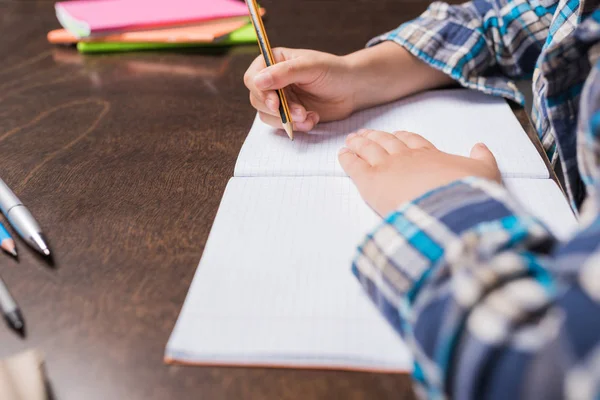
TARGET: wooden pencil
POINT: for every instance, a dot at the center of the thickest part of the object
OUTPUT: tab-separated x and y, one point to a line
6	241
265	49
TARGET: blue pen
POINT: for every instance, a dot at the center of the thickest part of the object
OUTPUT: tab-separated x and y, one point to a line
6	241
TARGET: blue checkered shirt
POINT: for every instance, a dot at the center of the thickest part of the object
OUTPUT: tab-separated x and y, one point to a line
491	304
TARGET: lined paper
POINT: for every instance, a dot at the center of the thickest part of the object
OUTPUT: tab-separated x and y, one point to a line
453	120
274	286
544	199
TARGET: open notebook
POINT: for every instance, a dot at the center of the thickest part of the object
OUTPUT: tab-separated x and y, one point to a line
274	286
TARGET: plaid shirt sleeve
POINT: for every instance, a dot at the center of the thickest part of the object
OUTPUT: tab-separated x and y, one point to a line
482	44
490	304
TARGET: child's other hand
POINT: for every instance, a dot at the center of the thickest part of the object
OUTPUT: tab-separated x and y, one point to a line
391	169
318	87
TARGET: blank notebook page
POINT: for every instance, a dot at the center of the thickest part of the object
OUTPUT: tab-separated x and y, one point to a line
453	120
274	286
544	199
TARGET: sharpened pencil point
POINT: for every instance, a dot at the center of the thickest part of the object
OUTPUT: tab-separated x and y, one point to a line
289	129
8	245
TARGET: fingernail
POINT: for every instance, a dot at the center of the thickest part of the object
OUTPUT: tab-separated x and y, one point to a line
264	80
481	145
298	115
315	119
344	150
271	104
362	131
352	135
303	126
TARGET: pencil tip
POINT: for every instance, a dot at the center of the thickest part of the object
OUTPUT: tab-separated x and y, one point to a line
289	129
38	241
8	245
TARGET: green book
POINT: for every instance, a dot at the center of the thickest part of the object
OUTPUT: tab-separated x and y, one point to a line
243	35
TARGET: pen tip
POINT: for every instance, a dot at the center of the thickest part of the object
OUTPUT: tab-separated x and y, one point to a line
16	322
21	331
38	241
13	252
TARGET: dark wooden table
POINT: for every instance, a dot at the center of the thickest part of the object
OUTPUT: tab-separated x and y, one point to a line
123	159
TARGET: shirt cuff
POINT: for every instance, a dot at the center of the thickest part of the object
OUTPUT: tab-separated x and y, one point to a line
468	64
395	260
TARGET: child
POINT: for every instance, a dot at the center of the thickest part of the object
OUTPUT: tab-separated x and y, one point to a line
491	304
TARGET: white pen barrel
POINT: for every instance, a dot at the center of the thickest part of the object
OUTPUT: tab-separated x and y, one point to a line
23	222
7	198
21	219
7	303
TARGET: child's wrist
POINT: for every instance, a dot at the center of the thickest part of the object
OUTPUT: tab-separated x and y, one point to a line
359	67
388	72
376	74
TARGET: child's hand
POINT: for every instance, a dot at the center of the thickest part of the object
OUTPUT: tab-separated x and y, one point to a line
390	169
318	87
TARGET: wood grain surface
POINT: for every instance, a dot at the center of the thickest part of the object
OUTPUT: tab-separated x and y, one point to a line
123	159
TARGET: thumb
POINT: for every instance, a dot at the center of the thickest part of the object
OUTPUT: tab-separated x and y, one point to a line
297	70
482	153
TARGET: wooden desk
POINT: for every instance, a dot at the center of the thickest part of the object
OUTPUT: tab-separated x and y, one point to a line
123	160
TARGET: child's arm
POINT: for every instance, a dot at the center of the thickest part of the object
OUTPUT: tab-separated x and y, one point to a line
482	44
492	306
326	87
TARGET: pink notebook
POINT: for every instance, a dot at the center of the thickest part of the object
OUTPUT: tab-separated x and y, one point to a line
97	17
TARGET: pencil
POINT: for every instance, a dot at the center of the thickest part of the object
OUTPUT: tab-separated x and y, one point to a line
265	49
6	241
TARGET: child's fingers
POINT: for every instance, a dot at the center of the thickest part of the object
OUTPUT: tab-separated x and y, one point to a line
254	69
299	70
266	106
271	106
311	120
267	101
414	141
297	110
352	164
258	67
482	153
366	149
275	121
259	97
389	142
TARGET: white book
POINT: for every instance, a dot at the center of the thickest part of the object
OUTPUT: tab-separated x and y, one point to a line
274	286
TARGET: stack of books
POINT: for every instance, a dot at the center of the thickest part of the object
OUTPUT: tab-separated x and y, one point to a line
129	25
